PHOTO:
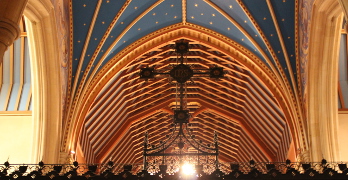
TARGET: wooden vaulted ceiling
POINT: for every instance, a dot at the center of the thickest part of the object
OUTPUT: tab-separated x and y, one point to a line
252	108
239	107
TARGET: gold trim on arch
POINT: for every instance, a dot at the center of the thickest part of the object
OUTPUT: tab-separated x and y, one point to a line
163	36
86	72
85	46
239	27
279	67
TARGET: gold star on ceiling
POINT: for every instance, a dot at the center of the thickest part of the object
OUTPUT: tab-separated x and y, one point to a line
103	22
231	7
202	14
242	39
175	17
107	1
192	17
78	41
196	5
153	14
172	5
210	22
156	22
264	18
245	21
135	7
213	15
228	28
95	38
121	22
139	29
84	5
283	19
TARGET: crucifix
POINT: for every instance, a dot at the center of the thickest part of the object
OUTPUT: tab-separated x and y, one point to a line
181	73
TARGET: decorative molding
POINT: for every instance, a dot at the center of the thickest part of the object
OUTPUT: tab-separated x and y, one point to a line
343	112
282	44
9	31
323	52
85	46
171	33
10	15
248	36
15	113
285	85
47	97
184	12
344	5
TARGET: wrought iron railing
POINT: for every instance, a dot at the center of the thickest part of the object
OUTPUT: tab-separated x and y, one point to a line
226	170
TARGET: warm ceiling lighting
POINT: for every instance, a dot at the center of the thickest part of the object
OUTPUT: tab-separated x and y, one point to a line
188	169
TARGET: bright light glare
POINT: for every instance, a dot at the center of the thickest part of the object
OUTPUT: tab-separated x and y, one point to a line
188	169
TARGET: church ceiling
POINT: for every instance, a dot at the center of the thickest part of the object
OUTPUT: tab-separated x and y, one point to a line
117	107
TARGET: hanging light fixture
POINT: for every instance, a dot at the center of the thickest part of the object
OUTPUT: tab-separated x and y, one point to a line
181	148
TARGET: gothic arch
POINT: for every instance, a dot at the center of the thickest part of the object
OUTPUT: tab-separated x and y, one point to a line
322	80
169	34
46	84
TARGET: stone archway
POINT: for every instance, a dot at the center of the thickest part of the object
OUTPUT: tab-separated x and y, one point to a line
46	84
194	32
322	80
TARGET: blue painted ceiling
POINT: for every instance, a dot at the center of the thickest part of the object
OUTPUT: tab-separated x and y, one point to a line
102	29
143	17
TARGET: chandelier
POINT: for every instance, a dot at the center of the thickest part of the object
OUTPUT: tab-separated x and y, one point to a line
181	150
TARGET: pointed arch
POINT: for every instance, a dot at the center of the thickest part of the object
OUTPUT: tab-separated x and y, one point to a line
169	34
46	84
322	80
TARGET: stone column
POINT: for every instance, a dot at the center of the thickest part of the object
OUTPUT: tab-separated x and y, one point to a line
10	14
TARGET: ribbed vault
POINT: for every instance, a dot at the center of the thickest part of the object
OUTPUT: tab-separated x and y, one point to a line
243	108
254	109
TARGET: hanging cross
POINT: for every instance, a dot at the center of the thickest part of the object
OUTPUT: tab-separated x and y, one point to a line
181	73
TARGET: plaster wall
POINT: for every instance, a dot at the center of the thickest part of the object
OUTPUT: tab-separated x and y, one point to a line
17	133
342	135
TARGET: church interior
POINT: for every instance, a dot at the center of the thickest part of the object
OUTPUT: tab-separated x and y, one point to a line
72	86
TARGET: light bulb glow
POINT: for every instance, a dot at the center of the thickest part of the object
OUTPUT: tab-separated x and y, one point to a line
188	169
